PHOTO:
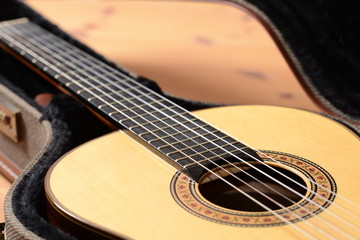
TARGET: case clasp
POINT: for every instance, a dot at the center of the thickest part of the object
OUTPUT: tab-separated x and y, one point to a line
8	120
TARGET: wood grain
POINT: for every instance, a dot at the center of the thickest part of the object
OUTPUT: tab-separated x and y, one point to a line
203	51
124	188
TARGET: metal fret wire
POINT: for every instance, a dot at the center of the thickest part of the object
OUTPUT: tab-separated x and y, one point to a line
314	183
245	194
163	129
272	189
253	199
189	131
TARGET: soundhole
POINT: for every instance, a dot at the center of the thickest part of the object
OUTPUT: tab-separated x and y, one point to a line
256	189
230	200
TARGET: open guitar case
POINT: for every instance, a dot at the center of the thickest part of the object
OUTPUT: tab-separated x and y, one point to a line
320	38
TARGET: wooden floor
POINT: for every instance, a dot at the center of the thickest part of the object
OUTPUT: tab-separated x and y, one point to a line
198	50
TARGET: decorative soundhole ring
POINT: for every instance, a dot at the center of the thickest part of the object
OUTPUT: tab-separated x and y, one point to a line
188	196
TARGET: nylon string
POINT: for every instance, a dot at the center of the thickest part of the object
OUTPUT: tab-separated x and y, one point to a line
100	76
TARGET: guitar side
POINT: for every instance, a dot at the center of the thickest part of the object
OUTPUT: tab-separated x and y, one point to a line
118	186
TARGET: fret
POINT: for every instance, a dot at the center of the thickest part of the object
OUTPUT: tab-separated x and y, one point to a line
110	94
119	104
173	138
115	102
129	122
82	85
76	60
151	115
149	137
100	86
25	28
103	90
205	155
140	112
195	158
41	51
212	159
104	99
178	127
84	70
177	118
84	75
164	133
96	82
198	139
41	59
183	115
152	119
186	140
157	143
209	160
181	136
208	146
79	70
180	146
54	43
218	150
14	45
138	129
73	68
159	124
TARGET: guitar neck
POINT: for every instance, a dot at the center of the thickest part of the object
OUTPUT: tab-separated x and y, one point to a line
167	127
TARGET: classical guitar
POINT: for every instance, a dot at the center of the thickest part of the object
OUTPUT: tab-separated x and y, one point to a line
237	172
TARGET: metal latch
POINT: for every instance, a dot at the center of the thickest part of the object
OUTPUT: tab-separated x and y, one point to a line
8	120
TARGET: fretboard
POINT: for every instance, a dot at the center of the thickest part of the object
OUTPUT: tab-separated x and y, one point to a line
189	143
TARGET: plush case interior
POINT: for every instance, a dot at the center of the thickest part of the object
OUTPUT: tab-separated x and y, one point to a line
320	37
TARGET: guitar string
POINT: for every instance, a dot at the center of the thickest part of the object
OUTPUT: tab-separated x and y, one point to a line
64	58
280	163
256	179
241	191
21	20
345	210
60	59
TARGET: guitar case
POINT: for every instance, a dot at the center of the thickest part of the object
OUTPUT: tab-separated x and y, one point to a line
319	38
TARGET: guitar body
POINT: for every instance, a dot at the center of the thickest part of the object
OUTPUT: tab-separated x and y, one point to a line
118	187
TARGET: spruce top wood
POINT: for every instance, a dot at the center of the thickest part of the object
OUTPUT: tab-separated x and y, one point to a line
221	187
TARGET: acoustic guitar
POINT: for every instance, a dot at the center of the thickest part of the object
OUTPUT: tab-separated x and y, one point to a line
236	172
